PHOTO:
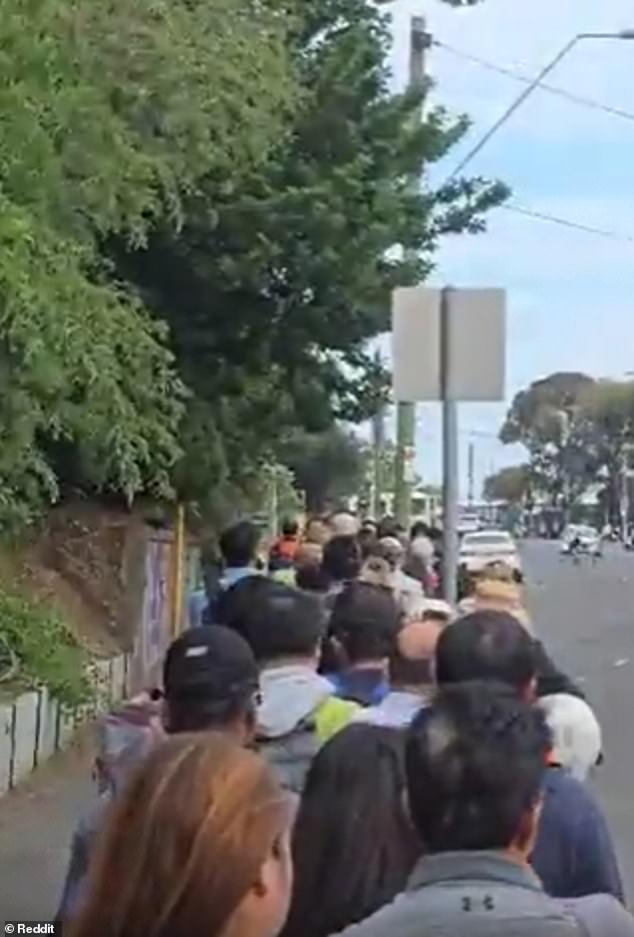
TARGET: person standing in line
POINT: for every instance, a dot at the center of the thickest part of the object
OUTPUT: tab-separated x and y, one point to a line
210	682
364	623
411	672
475	765
344	524
197	845
239	546
317	532
353	844
577	739
574	854
284	550
299	709
409	592
341	562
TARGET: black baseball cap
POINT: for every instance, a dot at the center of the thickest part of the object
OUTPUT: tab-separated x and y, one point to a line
209	664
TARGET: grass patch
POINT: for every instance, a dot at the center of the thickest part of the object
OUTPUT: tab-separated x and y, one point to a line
47	652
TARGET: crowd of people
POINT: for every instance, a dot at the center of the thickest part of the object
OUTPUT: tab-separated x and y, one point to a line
335	750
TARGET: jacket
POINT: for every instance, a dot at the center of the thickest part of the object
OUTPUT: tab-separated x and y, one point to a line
487	894
298	713
574	854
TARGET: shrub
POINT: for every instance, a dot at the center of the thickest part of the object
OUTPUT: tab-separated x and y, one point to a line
47	652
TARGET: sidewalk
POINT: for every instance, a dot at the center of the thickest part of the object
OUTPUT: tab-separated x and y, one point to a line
36	823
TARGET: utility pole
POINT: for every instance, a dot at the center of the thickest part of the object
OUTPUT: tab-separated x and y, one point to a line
378	455
420	41
471	493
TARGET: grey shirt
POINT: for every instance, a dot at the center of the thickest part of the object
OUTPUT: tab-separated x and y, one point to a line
486	894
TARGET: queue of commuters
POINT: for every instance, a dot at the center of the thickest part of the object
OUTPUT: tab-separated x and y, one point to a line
334	756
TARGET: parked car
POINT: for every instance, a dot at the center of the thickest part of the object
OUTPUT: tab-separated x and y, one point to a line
587	538
479	550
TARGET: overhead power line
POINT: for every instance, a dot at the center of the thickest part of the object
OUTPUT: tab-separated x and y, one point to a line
525	80
525	210
568	223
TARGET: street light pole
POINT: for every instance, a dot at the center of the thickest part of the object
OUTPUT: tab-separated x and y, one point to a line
625	34
420	41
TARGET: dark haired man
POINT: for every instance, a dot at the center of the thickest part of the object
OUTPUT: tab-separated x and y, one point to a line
342	560
210	682
411	672
239	547
365	621
475	766
573	854
299	710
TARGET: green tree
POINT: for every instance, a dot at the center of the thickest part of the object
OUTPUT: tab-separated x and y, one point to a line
111	115
608	410
548	420
272	288
510	484
328	466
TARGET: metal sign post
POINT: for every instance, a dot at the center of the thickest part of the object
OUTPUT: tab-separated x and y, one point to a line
449	345
450	487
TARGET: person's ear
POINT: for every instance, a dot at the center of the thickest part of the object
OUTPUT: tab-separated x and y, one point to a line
528	829
276	871
529	694
165	715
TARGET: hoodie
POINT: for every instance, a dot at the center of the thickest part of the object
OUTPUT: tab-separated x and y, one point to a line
298	713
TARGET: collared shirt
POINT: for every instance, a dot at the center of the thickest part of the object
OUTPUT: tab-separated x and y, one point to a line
367	686
396	711
233	575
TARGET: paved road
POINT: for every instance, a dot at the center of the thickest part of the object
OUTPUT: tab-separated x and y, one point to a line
585	616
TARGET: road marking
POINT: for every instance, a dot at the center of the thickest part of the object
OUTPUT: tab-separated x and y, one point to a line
621	662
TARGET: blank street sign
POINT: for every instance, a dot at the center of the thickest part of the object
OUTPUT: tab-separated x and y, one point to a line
476	344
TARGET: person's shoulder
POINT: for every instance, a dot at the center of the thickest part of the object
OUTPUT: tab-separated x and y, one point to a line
332	715
601	916
562	782
400	918
569	796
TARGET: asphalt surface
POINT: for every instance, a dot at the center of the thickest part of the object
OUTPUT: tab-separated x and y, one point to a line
585	616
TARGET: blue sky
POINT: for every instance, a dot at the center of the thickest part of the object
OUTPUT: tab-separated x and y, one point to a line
570	294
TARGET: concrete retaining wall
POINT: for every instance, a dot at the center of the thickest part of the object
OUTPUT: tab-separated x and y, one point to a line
34	726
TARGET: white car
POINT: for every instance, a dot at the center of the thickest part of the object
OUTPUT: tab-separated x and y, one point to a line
588	538
468	523
479	550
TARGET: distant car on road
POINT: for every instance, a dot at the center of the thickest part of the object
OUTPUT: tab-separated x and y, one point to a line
588	540
481	549
468	523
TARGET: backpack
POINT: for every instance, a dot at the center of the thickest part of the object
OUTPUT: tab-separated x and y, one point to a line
124	737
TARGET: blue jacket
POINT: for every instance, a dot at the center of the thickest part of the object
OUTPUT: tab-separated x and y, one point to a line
574	855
